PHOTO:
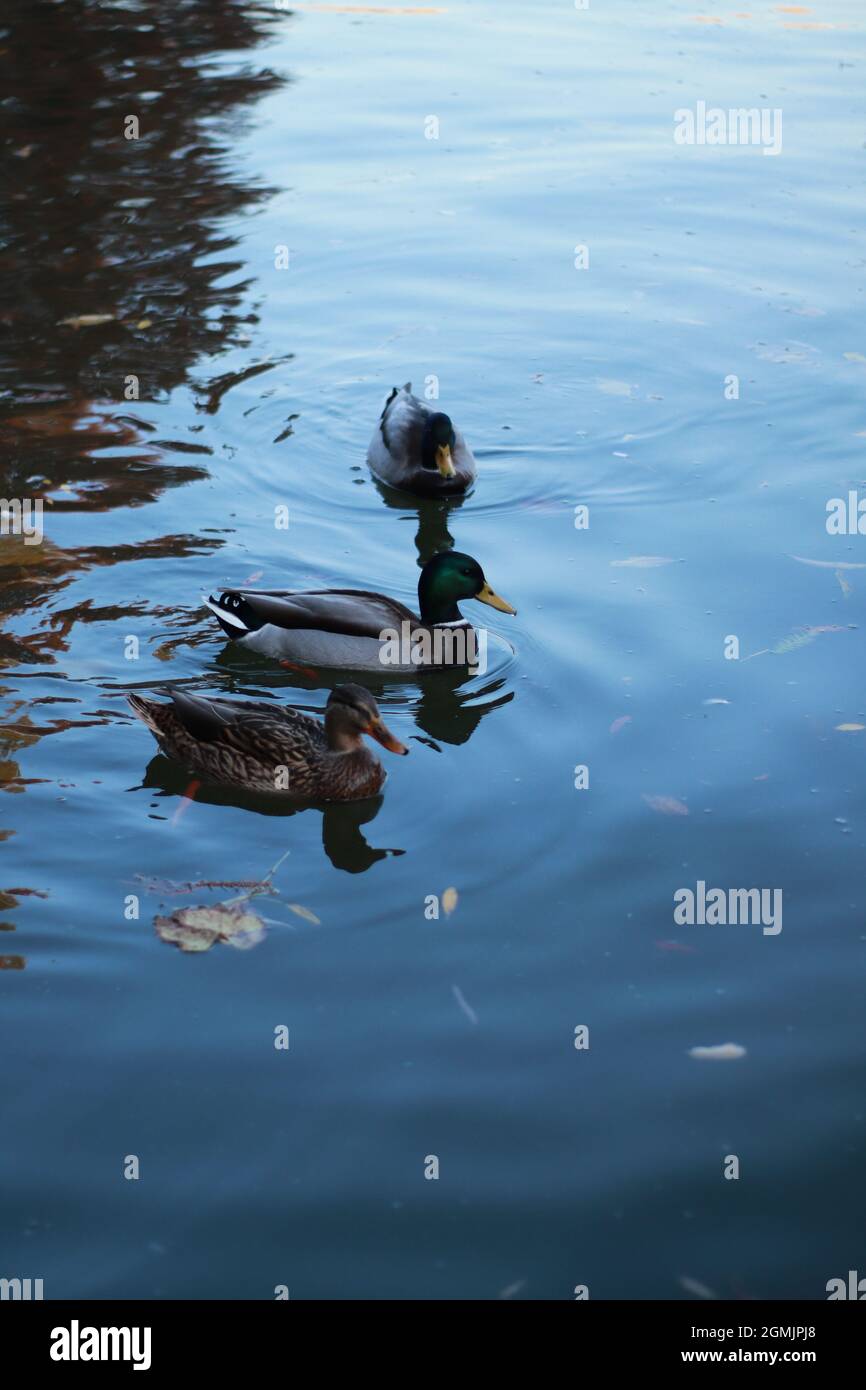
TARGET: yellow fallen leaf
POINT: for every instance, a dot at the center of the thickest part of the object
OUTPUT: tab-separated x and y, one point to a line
144	323
449	900
849	728
304	912
85	320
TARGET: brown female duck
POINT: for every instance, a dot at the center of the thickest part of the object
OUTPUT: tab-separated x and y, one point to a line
263	747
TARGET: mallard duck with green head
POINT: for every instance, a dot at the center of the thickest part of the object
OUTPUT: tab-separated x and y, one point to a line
266	748
418	449
357	630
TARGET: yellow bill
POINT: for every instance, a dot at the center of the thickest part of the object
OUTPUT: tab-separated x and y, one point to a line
487	595
443	461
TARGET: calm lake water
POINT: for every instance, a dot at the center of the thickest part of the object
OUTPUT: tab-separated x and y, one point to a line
695	381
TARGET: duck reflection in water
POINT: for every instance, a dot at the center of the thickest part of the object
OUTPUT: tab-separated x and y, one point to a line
432	515
447	705
342	838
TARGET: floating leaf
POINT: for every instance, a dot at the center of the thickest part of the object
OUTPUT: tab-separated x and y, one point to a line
619	723
467	1008
849	728
696	1287
304	912
854	357
800	637
144	323
85	320
167	887
793	642
12	962
199	928
611	387
642	562
449	900
830	564
666	805
846	588
720	1052
511	1289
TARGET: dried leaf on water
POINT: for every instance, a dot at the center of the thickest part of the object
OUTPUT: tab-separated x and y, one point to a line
830	564
849	728
696	1287
720	1052
846	588
199	928
800	637
792	643
165	886
643	562
304	912
511	1289
85	320
666	805
467	1008
450	899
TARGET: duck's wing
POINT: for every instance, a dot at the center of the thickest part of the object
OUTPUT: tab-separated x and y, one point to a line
248	726
402	423
346	612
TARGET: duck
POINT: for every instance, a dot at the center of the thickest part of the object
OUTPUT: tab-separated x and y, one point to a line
357	630
260	746
418	449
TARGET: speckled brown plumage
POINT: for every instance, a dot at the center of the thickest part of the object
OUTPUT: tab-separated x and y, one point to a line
263	747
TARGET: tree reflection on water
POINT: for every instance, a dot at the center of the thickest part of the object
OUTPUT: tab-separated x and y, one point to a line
129	232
